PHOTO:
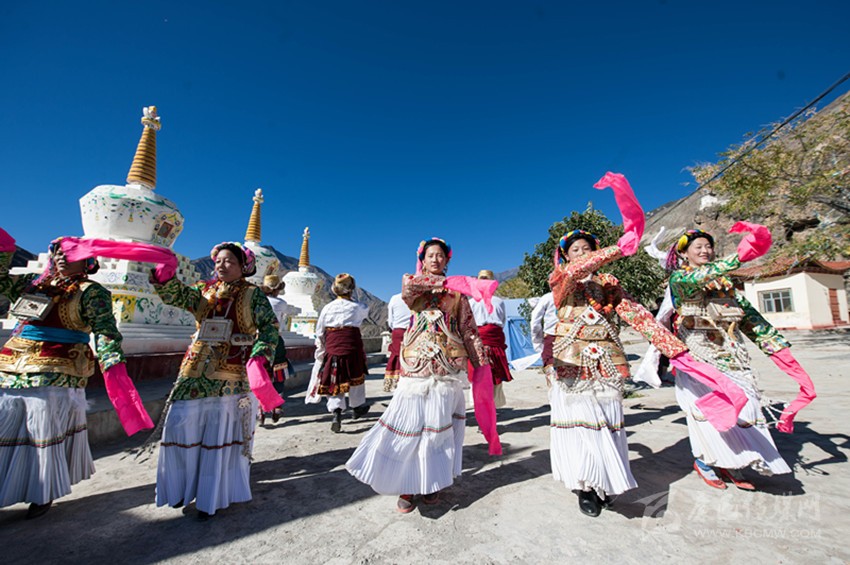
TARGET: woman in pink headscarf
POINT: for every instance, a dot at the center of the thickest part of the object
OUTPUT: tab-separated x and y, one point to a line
44	369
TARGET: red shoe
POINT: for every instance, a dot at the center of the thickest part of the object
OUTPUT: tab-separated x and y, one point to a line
432	498
737	481
714	483
405	503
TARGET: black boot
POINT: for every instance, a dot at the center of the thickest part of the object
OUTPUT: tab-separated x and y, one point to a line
336	425
588	503
360	411
605	502
36	510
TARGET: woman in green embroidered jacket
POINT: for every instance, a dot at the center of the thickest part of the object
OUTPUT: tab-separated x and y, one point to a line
712	319
208	432
44	369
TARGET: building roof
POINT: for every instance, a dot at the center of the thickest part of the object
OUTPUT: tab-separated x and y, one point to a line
784	266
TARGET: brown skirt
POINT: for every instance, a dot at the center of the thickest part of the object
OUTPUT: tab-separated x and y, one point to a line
344	365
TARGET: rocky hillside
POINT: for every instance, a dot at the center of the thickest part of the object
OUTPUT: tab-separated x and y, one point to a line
372	327
789	222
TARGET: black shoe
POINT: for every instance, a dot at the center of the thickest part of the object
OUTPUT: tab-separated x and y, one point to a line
203	516
588	503
336	425
606	502
36	510
360	411
178	505
275	415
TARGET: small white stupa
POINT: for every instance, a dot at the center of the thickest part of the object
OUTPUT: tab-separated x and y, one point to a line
134	212
301	286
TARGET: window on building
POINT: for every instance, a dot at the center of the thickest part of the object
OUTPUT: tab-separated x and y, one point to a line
776	300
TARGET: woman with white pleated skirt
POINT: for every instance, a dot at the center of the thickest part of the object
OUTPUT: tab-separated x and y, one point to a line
44	368
712	318
589	450
210	415
416	447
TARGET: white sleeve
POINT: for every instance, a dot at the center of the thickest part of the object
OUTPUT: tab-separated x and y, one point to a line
362	312
537	317
501	313
390	315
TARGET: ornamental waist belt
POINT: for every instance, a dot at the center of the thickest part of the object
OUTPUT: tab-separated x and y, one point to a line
57	335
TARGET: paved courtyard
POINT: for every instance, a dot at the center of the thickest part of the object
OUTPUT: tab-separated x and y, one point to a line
307	509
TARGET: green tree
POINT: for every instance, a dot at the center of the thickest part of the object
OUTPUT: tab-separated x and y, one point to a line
513	288
640	274
798	179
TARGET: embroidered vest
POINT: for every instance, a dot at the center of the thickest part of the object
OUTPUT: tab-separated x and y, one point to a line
710	309
432	344
20	355
582	334
221	361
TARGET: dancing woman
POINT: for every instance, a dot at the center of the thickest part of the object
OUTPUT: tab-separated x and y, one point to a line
44	369
416	446
712	319
205	451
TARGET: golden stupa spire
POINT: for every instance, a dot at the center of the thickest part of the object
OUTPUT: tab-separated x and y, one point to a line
143	169
304	260
253	231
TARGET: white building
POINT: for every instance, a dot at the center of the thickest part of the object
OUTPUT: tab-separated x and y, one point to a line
792	294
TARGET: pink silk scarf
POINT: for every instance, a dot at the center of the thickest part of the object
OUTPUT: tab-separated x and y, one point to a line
785	361
755	244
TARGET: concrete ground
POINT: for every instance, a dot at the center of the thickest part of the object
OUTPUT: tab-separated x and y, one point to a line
308	509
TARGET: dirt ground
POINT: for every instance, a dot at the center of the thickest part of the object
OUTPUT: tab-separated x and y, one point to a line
308	509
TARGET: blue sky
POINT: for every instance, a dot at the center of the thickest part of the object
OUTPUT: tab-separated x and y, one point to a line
381	123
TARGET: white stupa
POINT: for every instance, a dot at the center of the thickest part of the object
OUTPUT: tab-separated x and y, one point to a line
301	286
134	212
269	264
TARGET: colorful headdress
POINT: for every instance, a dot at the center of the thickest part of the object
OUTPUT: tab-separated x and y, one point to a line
420	251
689	236
245	254
569	238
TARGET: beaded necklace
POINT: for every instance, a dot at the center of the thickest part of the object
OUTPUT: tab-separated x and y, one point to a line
223	293
602	309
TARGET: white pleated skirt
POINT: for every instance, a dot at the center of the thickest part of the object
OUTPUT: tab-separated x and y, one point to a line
417	445
44	446
746	445
588	446
201	453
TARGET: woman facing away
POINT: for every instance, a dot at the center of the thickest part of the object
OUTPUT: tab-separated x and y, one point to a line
209	420
44	369
712	319
416	446
340	366
491	329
